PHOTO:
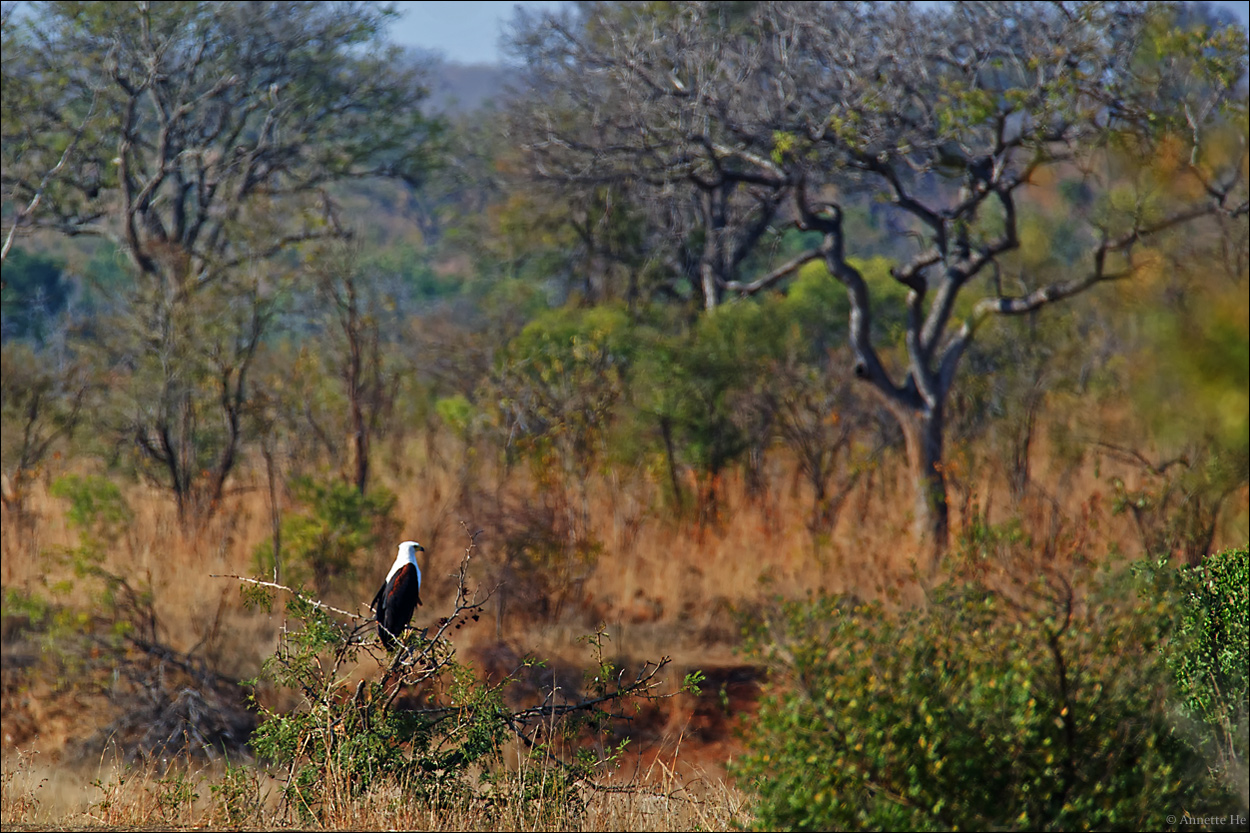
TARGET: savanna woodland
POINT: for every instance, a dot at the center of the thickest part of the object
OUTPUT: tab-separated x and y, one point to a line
814	415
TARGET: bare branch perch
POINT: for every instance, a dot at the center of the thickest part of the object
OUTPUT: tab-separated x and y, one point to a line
273	585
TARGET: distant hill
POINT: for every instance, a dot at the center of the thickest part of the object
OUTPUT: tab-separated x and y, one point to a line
462	88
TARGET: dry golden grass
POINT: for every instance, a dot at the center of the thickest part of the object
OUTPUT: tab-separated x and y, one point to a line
157	795
662	586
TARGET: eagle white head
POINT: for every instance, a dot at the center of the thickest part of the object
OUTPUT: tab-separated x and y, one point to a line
407	555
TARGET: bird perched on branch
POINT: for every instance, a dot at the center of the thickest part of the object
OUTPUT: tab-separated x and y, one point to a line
399	595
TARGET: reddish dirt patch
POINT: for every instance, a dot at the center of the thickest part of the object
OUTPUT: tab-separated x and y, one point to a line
697	733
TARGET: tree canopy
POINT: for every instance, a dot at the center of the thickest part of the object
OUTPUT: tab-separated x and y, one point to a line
182	123
205	141
732	121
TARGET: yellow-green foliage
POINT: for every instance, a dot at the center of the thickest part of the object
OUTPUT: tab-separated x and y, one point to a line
1033	710
321	542
1209	663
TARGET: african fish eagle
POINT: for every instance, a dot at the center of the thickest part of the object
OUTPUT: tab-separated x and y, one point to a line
399	595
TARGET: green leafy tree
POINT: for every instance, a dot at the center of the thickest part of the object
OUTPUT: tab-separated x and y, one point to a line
206	138
697	386
556	391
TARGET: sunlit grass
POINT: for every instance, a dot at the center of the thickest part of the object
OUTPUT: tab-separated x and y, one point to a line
660	582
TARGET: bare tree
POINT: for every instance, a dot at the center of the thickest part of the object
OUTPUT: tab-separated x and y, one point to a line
354	310
819	416
658	102
976	102
945	115
40	407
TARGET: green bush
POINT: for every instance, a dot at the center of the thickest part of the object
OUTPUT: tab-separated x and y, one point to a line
338	523
1035	708
556	389
693	386
1209	663
339	746
96	506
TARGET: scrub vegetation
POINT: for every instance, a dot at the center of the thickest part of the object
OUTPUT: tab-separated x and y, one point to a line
814	415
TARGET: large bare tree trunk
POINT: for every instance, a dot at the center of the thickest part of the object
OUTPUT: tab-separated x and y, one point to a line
922	432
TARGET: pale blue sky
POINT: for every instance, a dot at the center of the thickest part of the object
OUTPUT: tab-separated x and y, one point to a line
468	31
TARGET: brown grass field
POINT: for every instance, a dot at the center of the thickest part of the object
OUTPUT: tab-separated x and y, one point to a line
660	585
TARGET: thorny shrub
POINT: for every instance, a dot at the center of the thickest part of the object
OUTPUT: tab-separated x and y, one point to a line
420	721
